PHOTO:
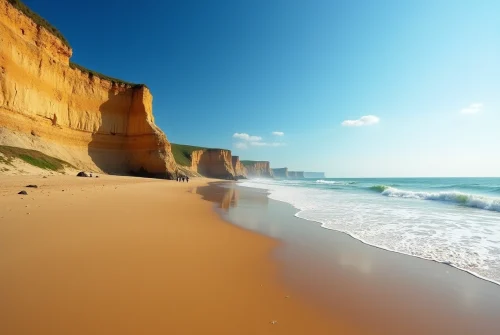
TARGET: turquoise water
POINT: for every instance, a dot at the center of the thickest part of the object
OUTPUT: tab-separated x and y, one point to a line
455	221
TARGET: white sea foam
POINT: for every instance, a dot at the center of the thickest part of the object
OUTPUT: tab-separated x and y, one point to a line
464	199
460	236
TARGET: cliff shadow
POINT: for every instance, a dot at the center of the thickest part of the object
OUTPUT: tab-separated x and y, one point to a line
108	146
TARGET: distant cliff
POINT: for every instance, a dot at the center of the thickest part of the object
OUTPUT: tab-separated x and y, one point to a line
240	170
208	162
258	169
314	175
280	173
296	174
89	120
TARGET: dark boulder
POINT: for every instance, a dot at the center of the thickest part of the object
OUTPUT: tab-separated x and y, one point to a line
82	174
32	186
23	193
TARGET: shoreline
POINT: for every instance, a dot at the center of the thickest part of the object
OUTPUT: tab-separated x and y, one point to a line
321	224
131	255
427	295
475	275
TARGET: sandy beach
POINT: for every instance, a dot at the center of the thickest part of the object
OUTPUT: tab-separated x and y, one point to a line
122	255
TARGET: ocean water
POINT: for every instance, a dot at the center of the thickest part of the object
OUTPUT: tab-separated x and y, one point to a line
455	221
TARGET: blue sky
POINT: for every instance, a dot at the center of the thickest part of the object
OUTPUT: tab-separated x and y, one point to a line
425	74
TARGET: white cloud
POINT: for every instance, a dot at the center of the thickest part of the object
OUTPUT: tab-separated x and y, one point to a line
366	120
246	137
472	108
278	133
240	145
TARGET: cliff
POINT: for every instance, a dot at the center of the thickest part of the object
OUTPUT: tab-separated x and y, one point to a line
296	174
49	105
280	173
258	169
239	169
314	175
213	163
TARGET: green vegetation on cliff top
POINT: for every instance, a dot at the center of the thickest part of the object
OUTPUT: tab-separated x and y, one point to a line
19	5
40	21
114	81
182	153
33	157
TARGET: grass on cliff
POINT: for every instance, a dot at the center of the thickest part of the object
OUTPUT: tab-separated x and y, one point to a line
19	5
33	157
182	153
114	81
40	21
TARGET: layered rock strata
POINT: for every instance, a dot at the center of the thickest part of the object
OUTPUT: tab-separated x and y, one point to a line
257	169
49	106
239	169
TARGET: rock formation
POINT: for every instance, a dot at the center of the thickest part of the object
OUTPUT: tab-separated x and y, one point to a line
314	175
50	106
214	163
239	169
199	161
258	169
280	173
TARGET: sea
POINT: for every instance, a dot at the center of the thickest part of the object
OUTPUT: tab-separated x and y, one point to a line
455	221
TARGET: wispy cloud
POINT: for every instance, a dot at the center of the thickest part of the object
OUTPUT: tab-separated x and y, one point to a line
241	145
366	120
246	137
472	108
245	141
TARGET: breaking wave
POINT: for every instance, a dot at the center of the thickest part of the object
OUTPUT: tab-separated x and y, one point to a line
460	198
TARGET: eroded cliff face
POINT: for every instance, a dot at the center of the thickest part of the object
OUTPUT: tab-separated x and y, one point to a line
239	169
258	169
213	163
48	106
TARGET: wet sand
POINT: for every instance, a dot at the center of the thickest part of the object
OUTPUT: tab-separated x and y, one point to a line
380	291
120	255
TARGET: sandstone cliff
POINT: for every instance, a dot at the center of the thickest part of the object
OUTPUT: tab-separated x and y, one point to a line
50	106
280	173
258	169
213	163
239	169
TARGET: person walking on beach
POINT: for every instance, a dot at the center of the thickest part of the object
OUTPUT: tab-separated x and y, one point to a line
183	178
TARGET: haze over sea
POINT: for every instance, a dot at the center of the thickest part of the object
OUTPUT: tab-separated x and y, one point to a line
455	221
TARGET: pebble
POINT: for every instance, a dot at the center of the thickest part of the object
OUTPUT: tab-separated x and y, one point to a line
274	322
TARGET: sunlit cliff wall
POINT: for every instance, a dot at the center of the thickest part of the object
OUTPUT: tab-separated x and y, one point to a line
47	105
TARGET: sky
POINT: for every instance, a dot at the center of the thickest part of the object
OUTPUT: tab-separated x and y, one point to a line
352	88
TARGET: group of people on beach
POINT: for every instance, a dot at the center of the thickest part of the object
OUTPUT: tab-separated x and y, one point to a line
182	178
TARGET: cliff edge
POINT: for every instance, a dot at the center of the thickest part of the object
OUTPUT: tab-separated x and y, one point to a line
92	122
258	169
208	162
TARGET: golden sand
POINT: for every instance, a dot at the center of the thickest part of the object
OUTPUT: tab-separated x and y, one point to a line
122	255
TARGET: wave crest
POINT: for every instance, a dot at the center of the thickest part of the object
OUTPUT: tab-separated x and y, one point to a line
464	199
